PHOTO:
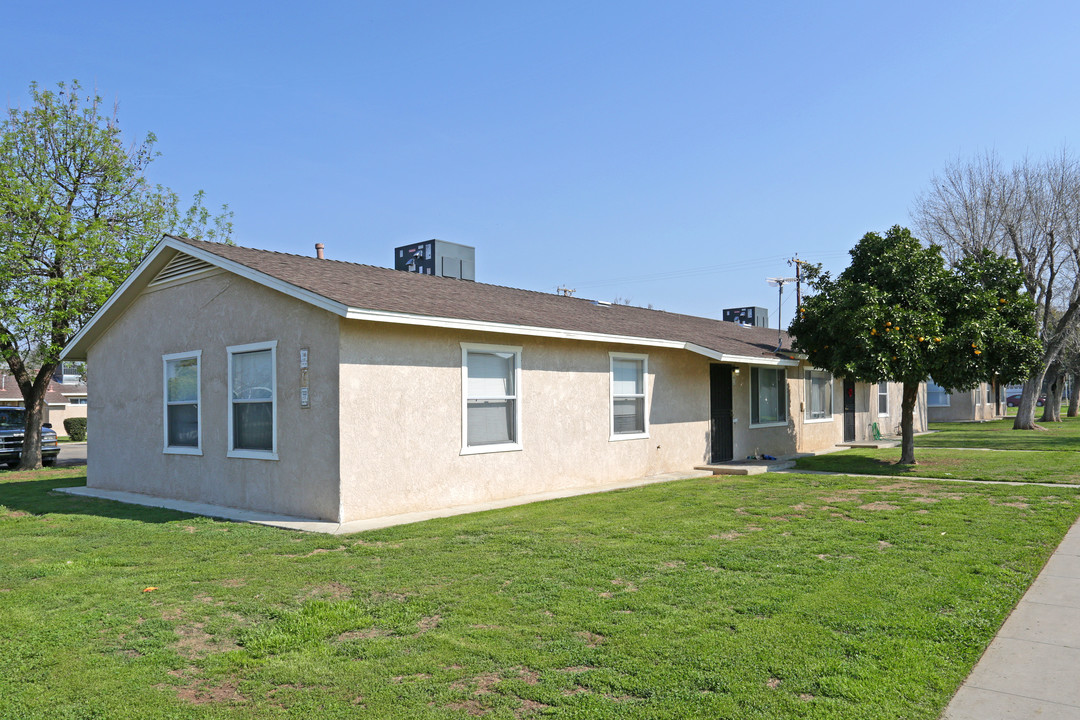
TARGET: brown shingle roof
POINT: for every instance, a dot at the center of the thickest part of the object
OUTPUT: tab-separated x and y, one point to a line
382	289
9	390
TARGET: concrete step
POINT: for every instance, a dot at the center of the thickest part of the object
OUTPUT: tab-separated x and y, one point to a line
746	467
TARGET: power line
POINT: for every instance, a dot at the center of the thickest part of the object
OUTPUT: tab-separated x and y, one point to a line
692	272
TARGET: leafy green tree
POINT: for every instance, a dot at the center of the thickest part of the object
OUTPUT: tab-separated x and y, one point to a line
77	214
897	313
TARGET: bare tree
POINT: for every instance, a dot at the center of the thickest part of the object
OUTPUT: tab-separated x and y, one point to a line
1030	213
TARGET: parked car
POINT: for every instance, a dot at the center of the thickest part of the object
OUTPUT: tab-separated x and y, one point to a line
12	430
1014	400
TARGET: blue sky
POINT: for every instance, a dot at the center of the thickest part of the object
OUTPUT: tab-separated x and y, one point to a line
672	154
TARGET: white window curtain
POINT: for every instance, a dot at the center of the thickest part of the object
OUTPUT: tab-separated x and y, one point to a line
491	398
628	395
253	400
818	395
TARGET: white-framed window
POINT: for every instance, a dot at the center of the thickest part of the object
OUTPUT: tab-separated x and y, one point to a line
628	416
76	400
182	410
819	392
768	396
253	401
936	396
490	398
883	398
978	393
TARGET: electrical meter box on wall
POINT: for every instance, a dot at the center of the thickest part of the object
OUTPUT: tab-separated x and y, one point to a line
437	257
757	316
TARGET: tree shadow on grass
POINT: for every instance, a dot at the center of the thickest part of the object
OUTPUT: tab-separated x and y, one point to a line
41	496
857	464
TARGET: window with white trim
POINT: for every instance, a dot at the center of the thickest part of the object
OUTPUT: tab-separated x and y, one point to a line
253	401
883	398
768	396
627	382
936	396
491	398
819	392
180	394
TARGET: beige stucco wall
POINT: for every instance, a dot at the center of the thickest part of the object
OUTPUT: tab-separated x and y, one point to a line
58	413
126	416
815	435
750	440
966	405
401	412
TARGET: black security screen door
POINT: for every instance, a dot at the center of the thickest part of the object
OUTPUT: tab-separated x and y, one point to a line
849	411
722	448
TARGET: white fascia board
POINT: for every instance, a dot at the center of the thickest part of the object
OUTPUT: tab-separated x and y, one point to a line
741	359
507	328
536	331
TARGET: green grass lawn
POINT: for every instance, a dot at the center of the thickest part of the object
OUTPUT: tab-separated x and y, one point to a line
1000	435
772	596
974	464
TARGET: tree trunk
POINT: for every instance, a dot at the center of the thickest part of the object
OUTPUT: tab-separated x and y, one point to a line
31	449
907	423
1052	406
1025	412
33	393
1074	395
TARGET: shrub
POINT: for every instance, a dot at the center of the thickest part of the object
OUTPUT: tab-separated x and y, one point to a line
75	428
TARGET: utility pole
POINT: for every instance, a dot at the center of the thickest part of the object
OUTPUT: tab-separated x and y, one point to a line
798	280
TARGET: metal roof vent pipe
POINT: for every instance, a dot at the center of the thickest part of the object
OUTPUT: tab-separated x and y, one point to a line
319	251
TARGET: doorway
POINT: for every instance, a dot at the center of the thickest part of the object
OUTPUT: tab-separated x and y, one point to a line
849	411
720	415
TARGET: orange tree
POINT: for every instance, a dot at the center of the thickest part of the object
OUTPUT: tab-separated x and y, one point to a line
899	313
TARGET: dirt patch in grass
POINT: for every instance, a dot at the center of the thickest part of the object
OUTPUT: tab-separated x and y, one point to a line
773	682
331	590
195	642
365	634
198	691
317	551
726	536
427	623
529	707
1016	504
529	676
877	506
415	676
469	707
576	669
591	639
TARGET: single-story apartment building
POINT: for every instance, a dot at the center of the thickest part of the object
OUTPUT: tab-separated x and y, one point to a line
341	392
983	402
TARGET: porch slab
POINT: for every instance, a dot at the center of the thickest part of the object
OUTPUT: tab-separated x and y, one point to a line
746	467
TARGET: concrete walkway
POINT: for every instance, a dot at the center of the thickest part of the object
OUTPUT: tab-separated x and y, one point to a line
1032	667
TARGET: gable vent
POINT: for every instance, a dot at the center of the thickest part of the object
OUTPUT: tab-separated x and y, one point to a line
181	266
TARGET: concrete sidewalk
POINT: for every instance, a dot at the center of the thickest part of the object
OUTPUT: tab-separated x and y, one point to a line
1032	667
